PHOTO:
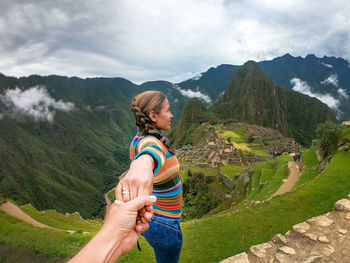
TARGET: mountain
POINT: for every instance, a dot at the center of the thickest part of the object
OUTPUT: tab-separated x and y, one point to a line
192	115
252	97
326	78
64	141
213	82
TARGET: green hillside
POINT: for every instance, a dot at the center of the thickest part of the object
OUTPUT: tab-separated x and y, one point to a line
213	237
67	164
252	97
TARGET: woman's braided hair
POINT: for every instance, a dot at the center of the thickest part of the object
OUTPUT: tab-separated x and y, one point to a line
144	103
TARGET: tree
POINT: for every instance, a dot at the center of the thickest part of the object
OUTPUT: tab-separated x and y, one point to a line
327	135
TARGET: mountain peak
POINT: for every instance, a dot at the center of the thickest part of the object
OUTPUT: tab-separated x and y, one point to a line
250	68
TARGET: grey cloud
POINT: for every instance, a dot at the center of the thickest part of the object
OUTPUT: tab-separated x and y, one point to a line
34	102
152	40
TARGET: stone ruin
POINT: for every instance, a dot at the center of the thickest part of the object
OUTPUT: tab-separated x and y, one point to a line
217	152
325	238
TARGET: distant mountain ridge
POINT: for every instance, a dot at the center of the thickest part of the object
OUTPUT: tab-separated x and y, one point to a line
326	78
69	162
252	97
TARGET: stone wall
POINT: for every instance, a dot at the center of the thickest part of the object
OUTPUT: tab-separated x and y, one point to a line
325	238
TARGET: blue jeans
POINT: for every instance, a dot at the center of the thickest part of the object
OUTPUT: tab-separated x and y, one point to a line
165	236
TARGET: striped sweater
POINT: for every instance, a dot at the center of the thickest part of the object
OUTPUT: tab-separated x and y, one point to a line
167	185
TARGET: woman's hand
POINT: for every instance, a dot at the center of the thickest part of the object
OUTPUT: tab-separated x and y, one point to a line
138	180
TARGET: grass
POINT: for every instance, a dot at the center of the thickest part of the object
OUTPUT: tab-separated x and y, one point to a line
222	187
310	167
255	184
52	243
345	135
232	171
206	171
215	238
231	136
266	169
69	222
258	150
266	174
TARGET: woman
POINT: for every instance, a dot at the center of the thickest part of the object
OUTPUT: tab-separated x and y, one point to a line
155	170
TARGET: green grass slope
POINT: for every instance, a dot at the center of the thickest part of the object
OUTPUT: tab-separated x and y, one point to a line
67	222
50	243
214	238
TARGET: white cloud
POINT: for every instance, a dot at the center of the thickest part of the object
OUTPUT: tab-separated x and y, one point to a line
35	102
327	65
303	87
193	94
332	79
198	76
342	92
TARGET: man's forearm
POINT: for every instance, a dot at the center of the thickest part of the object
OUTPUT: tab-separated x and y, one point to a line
103	247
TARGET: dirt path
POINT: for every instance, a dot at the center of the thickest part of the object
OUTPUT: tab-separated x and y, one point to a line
14	211
292	179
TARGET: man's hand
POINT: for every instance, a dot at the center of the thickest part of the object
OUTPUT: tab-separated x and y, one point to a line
119	232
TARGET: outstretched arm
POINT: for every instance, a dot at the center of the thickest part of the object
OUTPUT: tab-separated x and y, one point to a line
119	233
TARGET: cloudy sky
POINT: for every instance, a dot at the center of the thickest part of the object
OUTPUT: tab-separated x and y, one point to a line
163	39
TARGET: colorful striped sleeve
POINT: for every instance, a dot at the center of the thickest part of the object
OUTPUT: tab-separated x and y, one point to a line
152	146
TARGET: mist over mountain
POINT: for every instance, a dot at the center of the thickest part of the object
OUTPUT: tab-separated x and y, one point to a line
327	79
252	97
64	141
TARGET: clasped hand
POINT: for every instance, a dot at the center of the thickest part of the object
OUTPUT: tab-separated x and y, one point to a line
138	181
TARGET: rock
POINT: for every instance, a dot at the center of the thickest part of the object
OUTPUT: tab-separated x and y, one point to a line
342	205
320	221
285	180
312	236
314	259
71	232
301	228
239	258
279	239
323	239
260	250
347	216
283	258
288	250
342	231
327	251
255	202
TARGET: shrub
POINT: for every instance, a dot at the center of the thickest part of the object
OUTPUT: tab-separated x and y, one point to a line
327	135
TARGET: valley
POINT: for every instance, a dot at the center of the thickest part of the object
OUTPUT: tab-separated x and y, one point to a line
241	184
